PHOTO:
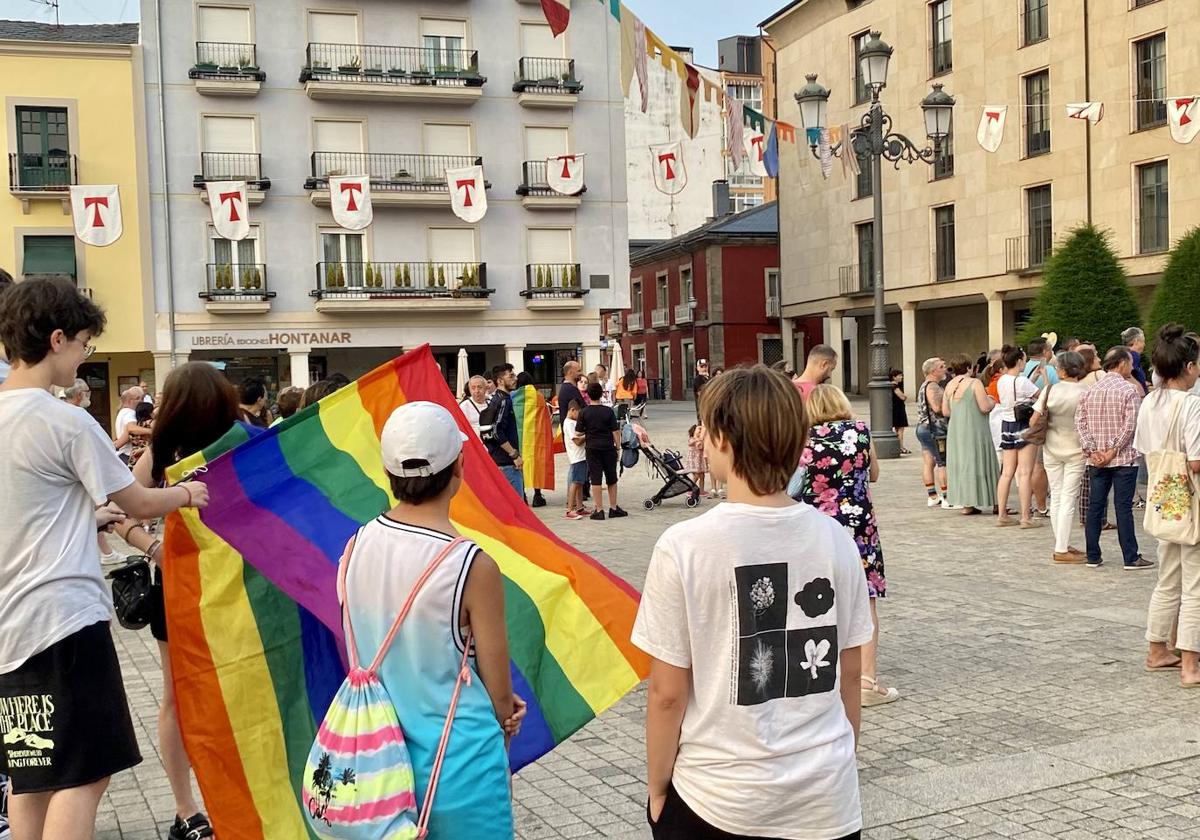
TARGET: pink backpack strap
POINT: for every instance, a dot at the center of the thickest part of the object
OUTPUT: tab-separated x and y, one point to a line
464	678
343	566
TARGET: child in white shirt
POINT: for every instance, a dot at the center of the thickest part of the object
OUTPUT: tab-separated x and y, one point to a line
577	473
754	613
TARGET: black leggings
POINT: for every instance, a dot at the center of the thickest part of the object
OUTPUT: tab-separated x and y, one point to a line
679	822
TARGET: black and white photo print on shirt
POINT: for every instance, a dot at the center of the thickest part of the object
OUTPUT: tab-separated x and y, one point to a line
775	662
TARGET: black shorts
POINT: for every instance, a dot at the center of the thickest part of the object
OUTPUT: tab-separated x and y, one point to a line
679	822
64	718
602	463
158	607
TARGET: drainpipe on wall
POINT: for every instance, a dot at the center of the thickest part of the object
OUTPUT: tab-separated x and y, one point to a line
1087	96
789	350
162	140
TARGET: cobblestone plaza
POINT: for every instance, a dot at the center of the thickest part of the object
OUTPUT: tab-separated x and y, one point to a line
1026	712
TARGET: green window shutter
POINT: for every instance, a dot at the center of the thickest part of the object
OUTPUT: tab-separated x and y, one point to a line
49	255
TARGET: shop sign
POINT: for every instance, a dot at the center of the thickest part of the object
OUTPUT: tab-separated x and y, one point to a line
223	340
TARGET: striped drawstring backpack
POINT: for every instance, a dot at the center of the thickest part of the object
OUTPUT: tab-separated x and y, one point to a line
358	781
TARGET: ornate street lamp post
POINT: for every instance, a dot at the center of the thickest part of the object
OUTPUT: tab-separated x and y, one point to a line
872	143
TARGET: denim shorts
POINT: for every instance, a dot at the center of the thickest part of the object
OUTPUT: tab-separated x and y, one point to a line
926	439
578	473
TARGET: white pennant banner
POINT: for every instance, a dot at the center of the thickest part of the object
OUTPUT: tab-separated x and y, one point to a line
1093	112
1183	114
468	196
754	144
670	174
97	213
350	198
565	174
230	209
991	127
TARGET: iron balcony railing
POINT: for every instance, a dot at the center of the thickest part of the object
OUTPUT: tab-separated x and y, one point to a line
853	281
231	166
683	313
375	63
236	282
773	307
614	324
535	182
635	321
1027	253
553	280
554	74
402	279
226	59
38	172
386	171
660	317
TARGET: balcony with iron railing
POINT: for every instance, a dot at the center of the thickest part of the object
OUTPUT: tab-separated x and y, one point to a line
613	324
773	307
853	281
546	82
374	72
535	190
660	317
389	286
233	166
553	286
635	321
226	69
397	180
238	289
683	312
1027	254
49	174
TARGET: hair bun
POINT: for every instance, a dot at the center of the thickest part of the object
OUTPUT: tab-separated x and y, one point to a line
1171	332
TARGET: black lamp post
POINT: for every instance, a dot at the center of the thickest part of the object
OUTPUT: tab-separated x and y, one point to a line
872	142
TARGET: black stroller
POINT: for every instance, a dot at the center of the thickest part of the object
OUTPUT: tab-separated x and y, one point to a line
668	466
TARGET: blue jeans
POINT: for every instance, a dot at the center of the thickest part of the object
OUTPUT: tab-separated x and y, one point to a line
1121	481
516	478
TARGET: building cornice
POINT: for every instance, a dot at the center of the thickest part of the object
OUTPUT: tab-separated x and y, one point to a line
56	49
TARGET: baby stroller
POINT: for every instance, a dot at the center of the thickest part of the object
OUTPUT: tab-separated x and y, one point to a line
668	466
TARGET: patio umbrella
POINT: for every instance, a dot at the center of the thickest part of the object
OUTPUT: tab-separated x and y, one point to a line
616	365
461	376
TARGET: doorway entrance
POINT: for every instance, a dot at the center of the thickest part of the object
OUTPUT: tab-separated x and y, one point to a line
664	370
95	374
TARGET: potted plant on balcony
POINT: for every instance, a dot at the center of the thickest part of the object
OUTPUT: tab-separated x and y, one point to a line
221	280
407	277
244	64
351	67
422	74
374	70
319	66
340	282
397	72
206	66
441	276
430	276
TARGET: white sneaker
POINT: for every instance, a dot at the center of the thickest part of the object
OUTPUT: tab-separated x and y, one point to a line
934	501
947	506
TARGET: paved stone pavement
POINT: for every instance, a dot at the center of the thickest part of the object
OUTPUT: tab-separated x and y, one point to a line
1025	713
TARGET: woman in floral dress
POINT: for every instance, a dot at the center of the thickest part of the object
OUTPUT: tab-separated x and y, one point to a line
839	465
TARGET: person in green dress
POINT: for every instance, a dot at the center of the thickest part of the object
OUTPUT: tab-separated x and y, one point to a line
970	457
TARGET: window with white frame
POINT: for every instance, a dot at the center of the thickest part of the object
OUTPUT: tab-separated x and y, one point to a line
333	27
750	95
229	149
538	41
744	201
343	254
236	266
223	25
686	292
444	42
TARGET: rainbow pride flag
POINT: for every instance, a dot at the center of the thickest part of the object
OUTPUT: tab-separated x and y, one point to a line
255	628
535	436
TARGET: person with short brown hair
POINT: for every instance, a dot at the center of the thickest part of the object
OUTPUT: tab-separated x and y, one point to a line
756	738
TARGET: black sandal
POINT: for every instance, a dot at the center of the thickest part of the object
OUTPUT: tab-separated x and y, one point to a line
195	827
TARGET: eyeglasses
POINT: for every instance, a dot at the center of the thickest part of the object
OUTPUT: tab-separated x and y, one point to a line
88	348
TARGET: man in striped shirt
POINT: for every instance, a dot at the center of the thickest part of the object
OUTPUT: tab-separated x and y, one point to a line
1106	420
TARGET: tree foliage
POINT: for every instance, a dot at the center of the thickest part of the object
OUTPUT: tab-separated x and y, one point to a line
1177	300
1084	292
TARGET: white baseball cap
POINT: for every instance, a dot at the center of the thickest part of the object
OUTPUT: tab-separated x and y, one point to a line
420	431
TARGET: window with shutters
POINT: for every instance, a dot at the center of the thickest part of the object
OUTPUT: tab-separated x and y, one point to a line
537	41
48	256
224	37
229	148
451	244
43	148
446	139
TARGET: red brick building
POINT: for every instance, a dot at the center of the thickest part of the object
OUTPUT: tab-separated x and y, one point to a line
711	293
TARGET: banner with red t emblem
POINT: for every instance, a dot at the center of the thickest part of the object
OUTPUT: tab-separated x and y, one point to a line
565	174
97	212
754	144
1183	113
350	198
230	210
670	174
991	127
468	196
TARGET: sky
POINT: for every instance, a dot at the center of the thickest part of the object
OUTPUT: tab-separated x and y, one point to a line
700	25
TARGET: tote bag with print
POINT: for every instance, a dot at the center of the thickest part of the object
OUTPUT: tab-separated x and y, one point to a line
1173	503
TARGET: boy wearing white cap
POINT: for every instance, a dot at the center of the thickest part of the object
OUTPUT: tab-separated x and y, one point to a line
459	604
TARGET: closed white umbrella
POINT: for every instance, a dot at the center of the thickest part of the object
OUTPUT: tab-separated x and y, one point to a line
461	375
616	366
